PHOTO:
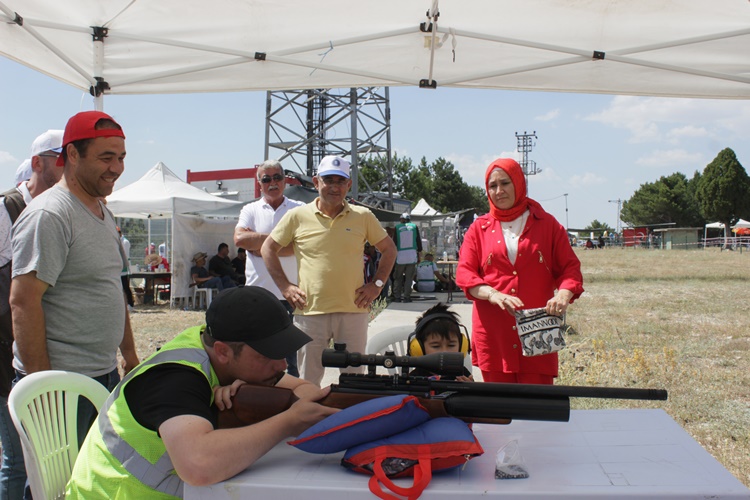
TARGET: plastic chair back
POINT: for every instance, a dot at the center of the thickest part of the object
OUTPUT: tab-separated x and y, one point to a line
396	339
44	409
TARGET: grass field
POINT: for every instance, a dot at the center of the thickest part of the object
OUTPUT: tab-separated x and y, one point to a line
675	319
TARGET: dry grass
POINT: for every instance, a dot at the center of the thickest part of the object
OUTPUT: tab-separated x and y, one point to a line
670	319
676	320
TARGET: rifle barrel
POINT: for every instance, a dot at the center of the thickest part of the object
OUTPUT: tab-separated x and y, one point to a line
533	390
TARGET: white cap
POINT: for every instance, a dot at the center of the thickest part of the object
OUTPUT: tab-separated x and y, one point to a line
51	140
333	165
23	173
405	215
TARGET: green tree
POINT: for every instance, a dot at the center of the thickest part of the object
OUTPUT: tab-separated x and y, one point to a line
671	199
722	190
439	183
597	227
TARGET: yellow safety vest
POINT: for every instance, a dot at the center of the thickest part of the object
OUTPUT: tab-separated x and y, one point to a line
122	459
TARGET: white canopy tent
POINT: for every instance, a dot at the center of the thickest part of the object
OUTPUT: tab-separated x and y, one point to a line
161	194
713	225
690	48
742	223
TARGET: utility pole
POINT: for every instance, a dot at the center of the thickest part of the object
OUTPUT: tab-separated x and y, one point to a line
619	205
524	146
566	211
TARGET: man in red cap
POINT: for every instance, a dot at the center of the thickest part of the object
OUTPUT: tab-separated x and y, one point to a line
69	311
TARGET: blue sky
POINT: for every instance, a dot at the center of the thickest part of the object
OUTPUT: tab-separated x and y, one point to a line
595	148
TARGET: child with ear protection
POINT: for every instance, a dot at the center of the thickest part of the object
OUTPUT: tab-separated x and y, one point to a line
439	330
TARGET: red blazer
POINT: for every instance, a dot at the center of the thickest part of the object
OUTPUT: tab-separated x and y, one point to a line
545	262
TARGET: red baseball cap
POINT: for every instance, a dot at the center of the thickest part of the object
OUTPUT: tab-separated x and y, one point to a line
83	126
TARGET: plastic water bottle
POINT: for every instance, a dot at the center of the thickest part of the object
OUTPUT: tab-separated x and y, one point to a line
445	256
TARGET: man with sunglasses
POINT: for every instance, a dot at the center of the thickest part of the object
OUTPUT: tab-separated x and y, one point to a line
328	235
44	174
256	221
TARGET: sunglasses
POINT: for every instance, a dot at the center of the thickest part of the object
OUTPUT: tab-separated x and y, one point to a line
267	178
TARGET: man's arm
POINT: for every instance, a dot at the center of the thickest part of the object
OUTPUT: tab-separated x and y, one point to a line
291	292
365	295
252	241
202	455
388	253
29	327
127	346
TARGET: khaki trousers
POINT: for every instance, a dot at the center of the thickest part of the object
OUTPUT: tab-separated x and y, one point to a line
348	328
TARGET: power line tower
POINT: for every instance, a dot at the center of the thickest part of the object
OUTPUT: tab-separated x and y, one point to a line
306	125
524	145
619	206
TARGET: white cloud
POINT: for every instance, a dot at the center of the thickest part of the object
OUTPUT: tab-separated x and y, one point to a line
549	116
6	157
587	179
670	157
655	119
472	168
687	132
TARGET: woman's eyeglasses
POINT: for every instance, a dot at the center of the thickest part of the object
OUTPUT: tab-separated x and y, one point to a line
267	178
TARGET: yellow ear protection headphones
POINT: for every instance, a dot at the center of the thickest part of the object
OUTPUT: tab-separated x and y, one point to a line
415	347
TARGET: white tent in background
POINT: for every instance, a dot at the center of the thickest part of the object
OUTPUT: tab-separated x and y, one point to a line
161	194
741	223
713	225
423	208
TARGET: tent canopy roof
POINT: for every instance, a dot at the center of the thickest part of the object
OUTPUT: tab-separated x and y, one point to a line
690	48
159	194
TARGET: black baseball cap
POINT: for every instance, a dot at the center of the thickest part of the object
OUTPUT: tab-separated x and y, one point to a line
253	315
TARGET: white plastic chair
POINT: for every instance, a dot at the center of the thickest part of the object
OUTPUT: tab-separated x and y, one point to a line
395	339
44	409
205	295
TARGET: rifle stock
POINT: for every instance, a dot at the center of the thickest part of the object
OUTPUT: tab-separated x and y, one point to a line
252	404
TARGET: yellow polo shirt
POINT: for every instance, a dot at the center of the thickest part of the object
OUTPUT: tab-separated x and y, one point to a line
329	253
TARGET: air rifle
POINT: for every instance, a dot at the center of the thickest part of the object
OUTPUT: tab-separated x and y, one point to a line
475	402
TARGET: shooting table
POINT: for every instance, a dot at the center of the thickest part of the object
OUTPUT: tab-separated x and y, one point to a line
614	454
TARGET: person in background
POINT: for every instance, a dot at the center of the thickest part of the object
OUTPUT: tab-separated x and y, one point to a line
43	174
239	262
69	311
203	279
427	274
409	245
158	429
438	329
256	221
328	235
125	274
23	172
517	256
221	265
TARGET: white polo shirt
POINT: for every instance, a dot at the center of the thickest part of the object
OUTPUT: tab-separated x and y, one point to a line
260	217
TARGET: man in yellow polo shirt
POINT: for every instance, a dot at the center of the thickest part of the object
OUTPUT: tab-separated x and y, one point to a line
328	236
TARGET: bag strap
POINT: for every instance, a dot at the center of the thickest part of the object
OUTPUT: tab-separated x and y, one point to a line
422	477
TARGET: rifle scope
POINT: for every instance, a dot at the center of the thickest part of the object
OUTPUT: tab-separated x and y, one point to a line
440	363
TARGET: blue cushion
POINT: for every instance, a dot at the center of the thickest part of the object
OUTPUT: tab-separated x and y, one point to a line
447	442
362	423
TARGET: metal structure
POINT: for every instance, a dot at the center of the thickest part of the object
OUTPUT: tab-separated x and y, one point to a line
619	207
306	125
524	145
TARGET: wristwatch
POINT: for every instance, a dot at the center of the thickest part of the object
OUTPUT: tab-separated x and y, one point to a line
379	283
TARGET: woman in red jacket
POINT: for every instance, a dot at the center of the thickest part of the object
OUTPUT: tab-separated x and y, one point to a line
516	257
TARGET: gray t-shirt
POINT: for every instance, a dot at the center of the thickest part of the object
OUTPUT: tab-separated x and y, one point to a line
80	257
